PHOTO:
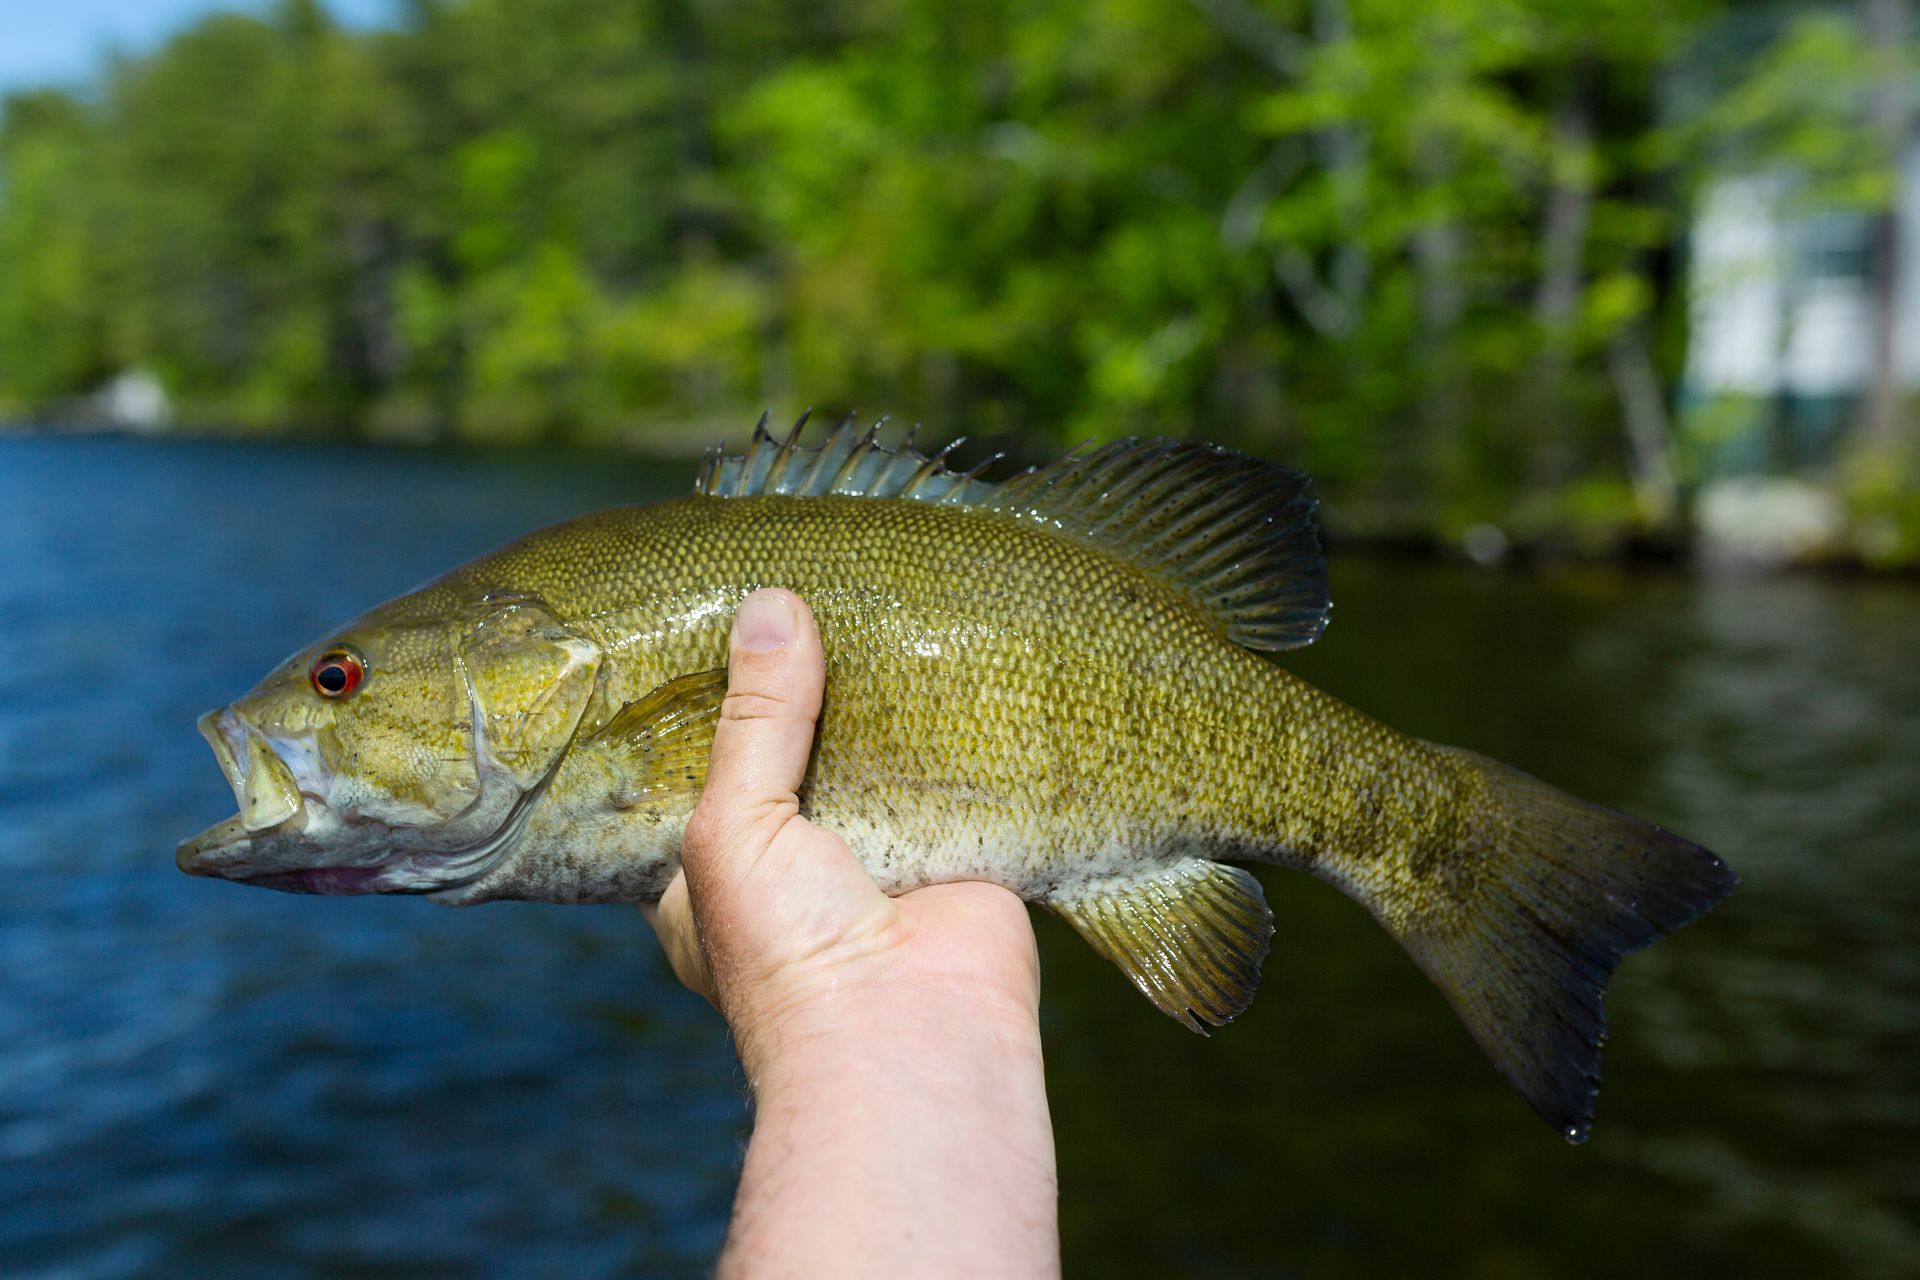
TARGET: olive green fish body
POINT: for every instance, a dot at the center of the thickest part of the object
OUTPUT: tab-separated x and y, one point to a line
1055	683
1002	703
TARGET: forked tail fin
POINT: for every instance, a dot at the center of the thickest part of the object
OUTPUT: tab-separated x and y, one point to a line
1552	893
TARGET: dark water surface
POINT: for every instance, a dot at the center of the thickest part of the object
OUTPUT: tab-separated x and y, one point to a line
198	1079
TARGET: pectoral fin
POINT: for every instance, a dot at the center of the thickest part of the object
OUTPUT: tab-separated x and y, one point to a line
1191	936
657	745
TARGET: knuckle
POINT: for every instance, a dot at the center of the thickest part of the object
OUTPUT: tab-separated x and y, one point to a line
705	829
754	704
741	823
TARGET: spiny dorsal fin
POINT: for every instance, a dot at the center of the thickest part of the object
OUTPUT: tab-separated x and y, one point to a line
657	745
1191	936
1233	533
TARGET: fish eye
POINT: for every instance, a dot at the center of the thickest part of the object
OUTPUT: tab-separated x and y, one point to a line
337	673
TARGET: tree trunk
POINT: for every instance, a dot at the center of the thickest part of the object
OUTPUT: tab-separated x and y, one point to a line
1557	296
1643	408
1439	246
1887	31
1344	153
1556	300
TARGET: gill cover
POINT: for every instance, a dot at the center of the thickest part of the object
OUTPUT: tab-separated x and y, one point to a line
529	677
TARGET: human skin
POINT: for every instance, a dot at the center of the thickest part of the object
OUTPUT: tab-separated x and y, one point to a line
892	1045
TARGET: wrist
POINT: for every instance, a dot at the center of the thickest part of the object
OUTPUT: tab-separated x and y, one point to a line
895	1129
851	1033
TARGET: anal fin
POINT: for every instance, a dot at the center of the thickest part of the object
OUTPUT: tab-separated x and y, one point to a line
1190	936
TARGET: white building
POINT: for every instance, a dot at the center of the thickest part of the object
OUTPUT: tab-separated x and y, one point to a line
135	400
1781	322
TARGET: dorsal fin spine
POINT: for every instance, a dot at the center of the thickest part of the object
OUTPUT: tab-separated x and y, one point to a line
892	462
973	473
855	456
932	467
787	446
812	473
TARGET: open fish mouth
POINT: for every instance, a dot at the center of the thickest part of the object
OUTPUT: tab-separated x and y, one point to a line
287	837
272	795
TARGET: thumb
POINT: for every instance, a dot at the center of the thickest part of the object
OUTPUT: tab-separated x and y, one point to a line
765	899
775	677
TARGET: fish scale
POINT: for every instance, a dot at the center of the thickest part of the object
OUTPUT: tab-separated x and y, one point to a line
1057	682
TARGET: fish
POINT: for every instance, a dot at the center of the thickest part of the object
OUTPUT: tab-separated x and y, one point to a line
1063	682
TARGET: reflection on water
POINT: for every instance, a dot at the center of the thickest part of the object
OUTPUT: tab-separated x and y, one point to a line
1761	1115
196	1078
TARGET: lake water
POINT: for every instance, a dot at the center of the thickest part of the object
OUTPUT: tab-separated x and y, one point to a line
199	1079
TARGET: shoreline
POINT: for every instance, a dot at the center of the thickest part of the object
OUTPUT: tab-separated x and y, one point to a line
1630	550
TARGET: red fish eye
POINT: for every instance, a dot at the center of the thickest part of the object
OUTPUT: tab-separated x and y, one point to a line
337	673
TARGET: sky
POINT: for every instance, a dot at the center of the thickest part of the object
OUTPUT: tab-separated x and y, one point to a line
61	41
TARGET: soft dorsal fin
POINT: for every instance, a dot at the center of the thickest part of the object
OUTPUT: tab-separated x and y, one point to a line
1233	533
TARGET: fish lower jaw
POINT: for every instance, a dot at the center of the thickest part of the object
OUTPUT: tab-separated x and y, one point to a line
333	881
227	849
200	856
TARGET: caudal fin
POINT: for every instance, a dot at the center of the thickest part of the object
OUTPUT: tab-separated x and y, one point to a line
1552	894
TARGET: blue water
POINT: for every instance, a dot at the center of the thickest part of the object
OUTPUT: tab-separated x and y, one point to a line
202	1079
196	1079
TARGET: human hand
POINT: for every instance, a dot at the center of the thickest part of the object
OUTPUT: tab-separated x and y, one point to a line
892	1043
773	918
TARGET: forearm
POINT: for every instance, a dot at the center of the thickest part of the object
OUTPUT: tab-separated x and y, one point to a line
898	1135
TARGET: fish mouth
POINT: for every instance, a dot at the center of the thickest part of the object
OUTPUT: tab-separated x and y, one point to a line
287	837
213	727
267	792
271	795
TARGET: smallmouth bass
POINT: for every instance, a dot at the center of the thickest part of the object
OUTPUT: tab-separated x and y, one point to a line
1054	682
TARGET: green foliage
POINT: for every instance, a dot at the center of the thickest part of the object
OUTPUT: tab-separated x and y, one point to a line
1883	499
1803	101
53	335
1396	241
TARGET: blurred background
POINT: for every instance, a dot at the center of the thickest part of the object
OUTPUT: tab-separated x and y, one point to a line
1597	322
1589	274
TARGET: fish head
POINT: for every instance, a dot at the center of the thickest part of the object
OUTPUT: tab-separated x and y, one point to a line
402	752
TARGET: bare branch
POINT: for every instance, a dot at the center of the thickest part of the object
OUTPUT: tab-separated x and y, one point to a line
1240	221
1643	409
1258	33
1324	309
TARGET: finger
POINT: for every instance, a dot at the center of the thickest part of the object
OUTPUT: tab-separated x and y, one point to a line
775	677
672	921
